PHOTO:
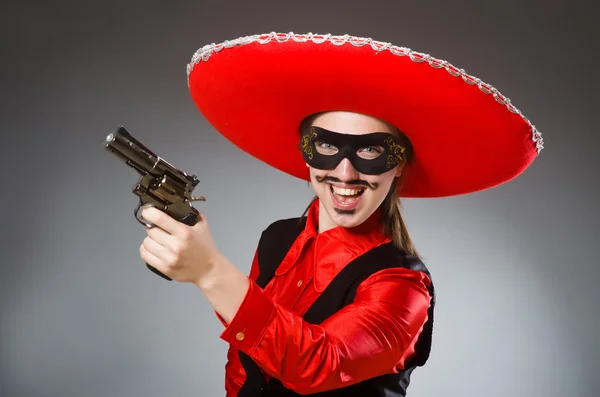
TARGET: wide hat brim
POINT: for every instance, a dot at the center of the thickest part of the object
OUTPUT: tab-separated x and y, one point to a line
256	91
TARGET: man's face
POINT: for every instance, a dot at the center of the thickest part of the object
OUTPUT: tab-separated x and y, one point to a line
347	196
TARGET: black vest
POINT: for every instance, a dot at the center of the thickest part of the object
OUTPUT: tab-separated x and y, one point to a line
273	245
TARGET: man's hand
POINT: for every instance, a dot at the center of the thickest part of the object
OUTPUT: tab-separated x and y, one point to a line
184	253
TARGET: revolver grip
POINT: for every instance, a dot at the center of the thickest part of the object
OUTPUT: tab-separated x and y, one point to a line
153	270
190	219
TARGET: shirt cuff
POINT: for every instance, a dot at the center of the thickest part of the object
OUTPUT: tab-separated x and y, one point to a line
251	320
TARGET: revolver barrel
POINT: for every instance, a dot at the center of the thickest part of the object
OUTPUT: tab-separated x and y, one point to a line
131	151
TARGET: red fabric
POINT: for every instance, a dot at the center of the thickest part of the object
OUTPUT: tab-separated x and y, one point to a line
464	139
372	336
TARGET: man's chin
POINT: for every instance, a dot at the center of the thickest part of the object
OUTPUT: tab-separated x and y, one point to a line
340	211
346	218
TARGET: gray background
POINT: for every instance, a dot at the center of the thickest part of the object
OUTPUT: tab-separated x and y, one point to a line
515	267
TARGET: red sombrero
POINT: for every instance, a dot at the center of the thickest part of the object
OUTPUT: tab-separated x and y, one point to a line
256	90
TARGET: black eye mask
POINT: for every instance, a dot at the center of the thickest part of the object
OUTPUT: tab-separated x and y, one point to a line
347	146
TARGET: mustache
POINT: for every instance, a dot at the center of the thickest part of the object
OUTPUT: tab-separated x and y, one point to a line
356	182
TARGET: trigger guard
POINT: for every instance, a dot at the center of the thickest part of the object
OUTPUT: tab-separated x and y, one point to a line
139	218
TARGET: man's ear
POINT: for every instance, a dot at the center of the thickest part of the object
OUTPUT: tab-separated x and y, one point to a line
399	171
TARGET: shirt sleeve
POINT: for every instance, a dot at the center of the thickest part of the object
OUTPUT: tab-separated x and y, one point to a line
365	339
234	371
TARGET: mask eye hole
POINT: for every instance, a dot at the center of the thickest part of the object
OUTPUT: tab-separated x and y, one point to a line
325	148
370	152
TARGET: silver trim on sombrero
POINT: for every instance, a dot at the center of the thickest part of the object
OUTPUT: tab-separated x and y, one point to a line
204	54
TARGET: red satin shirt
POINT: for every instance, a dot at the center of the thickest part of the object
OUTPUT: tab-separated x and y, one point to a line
372	336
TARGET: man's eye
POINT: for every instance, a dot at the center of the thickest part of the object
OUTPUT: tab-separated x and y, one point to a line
325	148
370	152
325	145
372	149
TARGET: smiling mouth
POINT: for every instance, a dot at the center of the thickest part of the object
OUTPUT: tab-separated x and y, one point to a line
346	197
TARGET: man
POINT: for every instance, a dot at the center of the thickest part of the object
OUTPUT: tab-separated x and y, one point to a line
337	302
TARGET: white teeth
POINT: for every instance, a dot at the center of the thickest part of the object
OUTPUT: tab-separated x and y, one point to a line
346	192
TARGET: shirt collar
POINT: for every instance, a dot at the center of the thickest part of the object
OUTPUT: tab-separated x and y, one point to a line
336	247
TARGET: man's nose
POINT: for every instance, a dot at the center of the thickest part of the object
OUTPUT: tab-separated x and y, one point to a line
345	171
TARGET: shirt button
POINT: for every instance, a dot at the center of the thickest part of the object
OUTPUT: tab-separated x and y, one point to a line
239	336
299	283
